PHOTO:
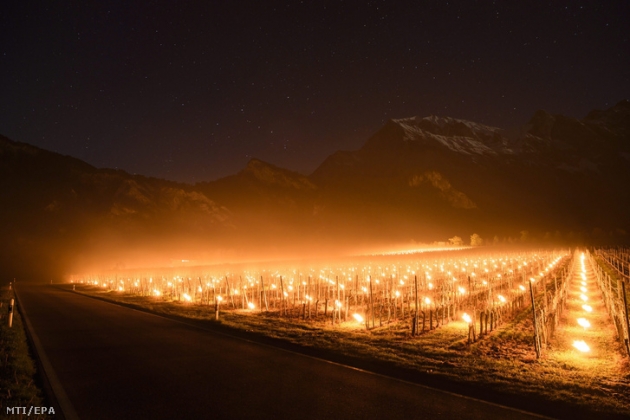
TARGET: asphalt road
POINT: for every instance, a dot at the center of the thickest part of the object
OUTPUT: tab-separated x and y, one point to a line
117	363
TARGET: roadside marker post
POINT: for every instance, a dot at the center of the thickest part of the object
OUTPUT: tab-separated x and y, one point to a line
11	313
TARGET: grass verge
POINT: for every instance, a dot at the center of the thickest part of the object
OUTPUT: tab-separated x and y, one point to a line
19	384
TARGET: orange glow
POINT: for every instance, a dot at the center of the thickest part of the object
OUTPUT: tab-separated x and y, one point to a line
583	322
581	346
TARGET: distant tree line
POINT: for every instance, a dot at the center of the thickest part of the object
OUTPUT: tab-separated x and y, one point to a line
596	236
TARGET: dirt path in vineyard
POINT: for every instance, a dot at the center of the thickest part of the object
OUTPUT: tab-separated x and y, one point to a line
604	355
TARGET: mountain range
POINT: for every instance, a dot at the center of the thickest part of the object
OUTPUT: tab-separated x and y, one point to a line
555	179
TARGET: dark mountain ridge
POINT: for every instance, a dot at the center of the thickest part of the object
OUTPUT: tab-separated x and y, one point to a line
418	178
555	171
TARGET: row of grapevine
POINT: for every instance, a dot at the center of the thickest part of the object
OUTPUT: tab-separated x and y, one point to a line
611	270
423	292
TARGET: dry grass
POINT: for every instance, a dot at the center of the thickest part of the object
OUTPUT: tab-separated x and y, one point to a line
503	362
18	381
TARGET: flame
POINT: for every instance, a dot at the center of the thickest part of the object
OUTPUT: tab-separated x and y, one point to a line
583	322
581	346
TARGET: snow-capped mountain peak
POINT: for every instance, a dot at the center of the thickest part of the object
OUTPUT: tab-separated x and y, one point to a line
457	135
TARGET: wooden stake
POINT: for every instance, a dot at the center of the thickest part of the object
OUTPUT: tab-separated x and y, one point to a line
371	301
625	307
536	343
264	295
415	285
282	307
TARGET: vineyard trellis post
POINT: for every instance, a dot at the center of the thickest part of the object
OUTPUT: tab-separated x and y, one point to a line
415	317
536	338
371	302
625	307
283	310
264	295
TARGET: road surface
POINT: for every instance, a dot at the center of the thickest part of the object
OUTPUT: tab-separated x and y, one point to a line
113	362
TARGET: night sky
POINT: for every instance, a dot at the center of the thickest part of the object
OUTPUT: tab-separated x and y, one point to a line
191	90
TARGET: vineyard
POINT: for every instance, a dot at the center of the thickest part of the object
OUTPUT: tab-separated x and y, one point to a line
420	293
536	320
425	293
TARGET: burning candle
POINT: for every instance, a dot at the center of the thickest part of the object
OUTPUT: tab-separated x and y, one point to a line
581	346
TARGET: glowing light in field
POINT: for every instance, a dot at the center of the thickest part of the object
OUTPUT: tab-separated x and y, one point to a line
461	290
427	300
358	318
467	318
581	346
521	287
587	308
584	297
583	322
157	293
502	299
250	305
583	289
219	298
187	297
